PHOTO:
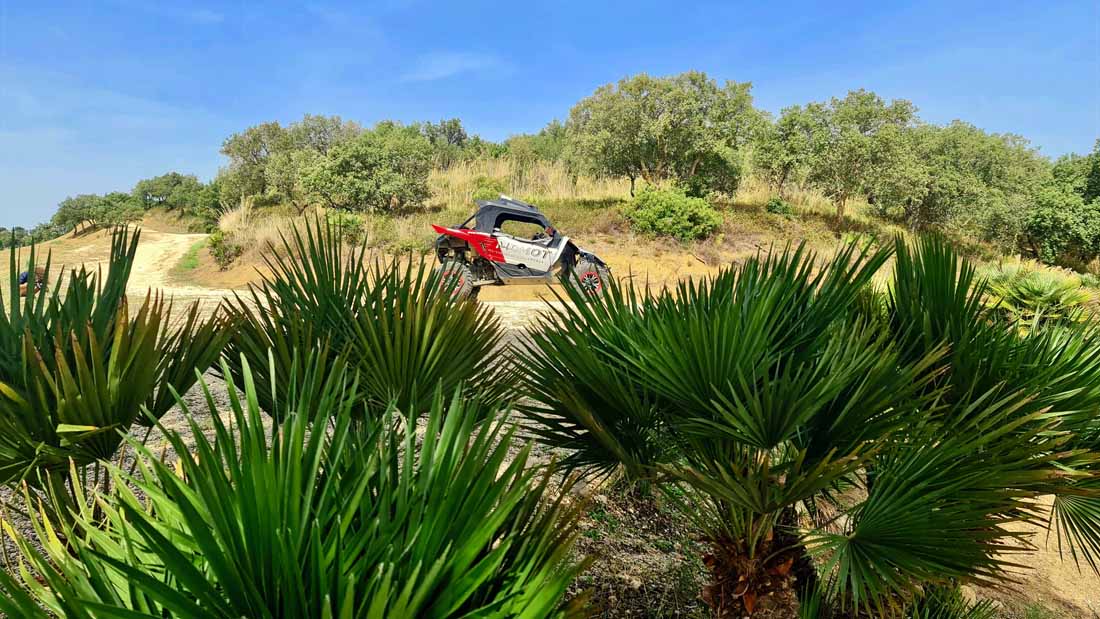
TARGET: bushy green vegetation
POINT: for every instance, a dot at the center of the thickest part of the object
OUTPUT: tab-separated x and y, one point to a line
901	427
396	325
670	212
78	368
486	188
684	129
329	514
1027	293
779	206
854	450
223	251
382	169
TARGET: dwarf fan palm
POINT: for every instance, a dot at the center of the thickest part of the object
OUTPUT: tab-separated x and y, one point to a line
1053	369
320	516
884	445
77	366
400	329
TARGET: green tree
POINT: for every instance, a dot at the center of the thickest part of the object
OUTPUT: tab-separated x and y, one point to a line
477	147
1092	181
305	142
118	208
448	140
683	128
383	169
1072	171
1061	227
548	144
784	149
76	212
248	153
857	139
963	178
319	133
283	175
173	191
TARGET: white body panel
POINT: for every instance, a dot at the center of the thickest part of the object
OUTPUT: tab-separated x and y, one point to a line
532	254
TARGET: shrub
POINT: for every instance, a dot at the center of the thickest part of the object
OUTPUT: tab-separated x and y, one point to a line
319	516
1090	280
581	394
778	384
1061	228
1023	293
351	227
400	328
77	368
779	206
486	188
383	169
670	212
223	248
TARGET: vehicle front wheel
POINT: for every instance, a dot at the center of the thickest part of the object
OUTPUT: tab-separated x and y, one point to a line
591	278
456	277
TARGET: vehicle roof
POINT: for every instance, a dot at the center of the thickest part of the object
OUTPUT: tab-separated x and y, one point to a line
489	210
505	203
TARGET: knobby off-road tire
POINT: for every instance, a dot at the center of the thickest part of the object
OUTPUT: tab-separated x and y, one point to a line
591	278
457	277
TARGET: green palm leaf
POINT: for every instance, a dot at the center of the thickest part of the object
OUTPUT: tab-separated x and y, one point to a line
400	330
327	514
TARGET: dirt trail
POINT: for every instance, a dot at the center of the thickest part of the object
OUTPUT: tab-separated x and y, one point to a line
157	254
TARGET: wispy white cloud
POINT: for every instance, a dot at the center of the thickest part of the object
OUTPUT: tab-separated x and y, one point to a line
44	99
441	65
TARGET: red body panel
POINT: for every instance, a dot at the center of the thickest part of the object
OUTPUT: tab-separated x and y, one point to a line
484	244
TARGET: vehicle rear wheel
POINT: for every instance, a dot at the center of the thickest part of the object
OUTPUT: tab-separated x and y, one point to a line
457	277
591	278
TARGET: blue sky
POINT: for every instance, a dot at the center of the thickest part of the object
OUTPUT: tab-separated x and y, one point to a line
95	95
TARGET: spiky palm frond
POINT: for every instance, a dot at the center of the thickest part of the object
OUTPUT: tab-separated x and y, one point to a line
582	394
319	516
1028	296
400	330
940	504
195	343
607	373
948	602
78	366
1052	371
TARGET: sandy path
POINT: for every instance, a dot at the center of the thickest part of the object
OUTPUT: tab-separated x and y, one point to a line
157	254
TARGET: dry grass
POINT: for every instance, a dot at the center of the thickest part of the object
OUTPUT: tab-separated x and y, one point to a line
539	181
253	229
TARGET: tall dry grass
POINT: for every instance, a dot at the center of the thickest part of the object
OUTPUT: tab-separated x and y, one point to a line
755	192
537	180
254	230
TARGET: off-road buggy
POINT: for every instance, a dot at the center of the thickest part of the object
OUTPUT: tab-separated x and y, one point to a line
511	242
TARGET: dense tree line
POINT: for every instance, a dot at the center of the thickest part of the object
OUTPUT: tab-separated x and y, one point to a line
182	194
958	178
